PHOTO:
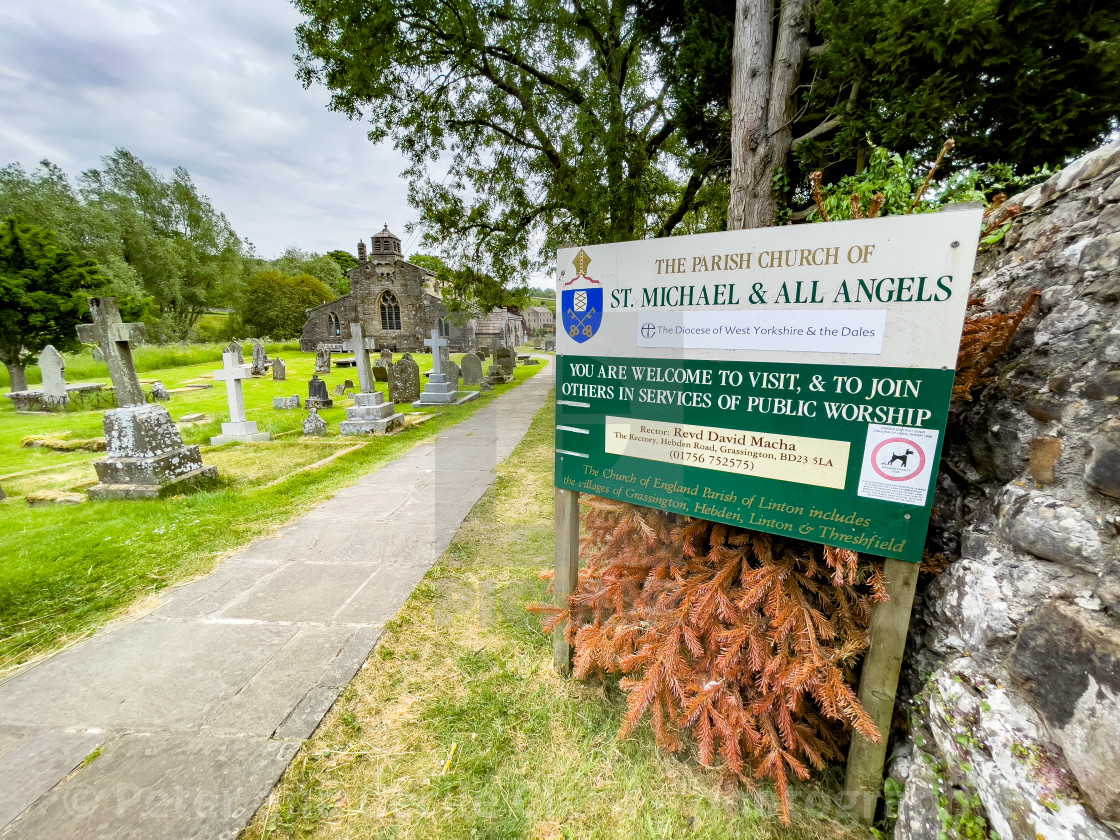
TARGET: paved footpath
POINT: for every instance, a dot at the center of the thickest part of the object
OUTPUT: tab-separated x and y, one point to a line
199	706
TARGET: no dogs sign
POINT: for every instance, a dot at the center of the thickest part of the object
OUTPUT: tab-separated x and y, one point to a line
794	380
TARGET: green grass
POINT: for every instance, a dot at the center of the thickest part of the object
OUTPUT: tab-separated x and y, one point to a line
65	570
463	679
81	367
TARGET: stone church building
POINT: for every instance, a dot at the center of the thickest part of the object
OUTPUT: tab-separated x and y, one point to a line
396	302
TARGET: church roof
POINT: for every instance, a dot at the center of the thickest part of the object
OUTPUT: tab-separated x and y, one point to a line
387	234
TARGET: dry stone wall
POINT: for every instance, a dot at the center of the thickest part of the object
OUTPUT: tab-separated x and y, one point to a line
1015	648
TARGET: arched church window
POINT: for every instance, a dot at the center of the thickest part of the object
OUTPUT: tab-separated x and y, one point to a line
334	325
444	328
390	312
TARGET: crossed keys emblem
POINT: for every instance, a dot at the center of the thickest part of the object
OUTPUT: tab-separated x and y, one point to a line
579	323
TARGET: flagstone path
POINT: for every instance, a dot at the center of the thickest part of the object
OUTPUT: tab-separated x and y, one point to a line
198	707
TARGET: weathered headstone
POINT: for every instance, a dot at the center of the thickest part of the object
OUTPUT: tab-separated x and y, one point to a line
322	359
160	392
404	380
145	455
238	428
387	356
380	371
53	367
550	345
441	389
285	403
314	424
505	357
454	373
360	346
261	361
342	387
317	396
472	369
236	347
279	370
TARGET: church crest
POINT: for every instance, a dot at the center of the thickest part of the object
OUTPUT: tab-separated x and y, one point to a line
581	309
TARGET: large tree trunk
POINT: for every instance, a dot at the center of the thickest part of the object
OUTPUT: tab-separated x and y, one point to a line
763	84
18	376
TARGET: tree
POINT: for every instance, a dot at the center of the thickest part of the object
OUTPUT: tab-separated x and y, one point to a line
43	290
550	118
323	266
275	304
345	259
186	253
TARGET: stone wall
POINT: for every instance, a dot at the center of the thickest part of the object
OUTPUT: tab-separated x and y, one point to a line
1014	658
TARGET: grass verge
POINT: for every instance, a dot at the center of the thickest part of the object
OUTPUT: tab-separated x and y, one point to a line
66	570
458	727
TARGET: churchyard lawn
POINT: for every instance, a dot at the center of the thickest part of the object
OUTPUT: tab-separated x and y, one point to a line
66	569
460	727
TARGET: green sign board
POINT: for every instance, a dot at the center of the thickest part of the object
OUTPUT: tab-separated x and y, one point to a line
801	399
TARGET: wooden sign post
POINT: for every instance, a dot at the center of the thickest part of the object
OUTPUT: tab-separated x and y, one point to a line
789	380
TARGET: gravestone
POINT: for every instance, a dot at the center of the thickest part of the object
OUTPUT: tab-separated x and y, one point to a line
482	353
314	424
472	370
160	392
145	456
317	396
342	387
53	367
505	357
404	380
380	371
238	428
550	345
322	359
360	346
454	373
279	370
441	388
370	414
235	347
285	403
261	361
387	356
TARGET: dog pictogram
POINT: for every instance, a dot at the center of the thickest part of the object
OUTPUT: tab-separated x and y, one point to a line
901	458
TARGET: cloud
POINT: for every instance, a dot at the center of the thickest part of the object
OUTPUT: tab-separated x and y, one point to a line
206	85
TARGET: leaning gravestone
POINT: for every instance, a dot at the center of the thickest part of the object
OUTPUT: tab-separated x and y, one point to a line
279	370
314	424
342	387
53	367
472	369
454	372
404	380
238	428
322	359
145	456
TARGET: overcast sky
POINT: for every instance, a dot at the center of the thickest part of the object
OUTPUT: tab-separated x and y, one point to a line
202	84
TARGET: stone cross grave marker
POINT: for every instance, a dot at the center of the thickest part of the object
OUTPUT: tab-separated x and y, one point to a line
53	367
145	456
437	343
113	337
360	346
238	429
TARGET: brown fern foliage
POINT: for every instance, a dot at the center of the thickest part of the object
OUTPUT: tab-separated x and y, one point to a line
986	335
744	640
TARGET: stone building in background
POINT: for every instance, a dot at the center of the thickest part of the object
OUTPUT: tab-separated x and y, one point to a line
540	318
502	324
396	302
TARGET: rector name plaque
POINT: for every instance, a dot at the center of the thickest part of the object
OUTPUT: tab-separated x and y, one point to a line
792	380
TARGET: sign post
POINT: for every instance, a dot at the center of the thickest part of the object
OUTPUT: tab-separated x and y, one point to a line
792	380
